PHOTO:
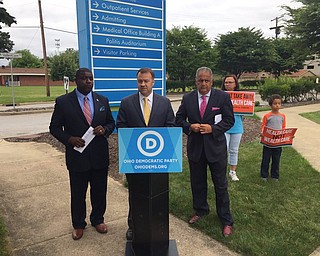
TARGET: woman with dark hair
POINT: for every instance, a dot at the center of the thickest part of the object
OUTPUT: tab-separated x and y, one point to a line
234	134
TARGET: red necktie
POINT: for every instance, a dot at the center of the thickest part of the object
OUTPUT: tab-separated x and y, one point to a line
87	111
203	105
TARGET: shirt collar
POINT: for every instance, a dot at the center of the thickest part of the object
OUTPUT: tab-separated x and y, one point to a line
81	96
207	95
150	97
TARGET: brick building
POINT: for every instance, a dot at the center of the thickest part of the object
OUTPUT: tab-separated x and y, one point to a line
26	77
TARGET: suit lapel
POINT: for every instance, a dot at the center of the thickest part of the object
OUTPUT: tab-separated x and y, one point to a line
155	105
137	106
96	105
196	106
209	104
76	105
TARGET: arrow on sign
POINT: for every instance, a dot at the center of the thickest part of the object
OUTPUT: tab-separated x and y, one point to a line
96	16
97	28
97	51
96	5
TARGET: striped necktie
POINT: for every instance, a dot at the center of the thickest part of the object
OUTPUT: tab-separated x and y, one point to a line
86	110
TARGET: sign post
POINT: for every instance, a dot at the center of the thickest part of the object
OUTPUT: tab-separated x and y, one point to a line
66	83
7	55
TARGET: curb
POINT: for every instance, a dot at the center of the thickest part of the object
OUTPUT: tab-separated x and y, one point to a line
24	112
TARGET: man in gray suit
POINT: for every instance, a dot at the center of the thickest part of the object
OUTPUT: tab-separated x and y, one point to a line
205	115
132	115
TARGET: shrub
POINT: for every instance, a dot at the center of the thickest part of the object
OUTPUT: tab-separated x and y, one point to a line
290	89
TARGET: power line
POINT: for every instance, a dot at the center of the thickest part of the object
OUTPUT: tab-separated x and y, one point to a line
55	29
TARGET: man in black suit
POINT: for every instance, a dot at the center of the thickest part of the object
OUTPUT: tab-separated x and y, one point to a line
131	115
73	114
205	115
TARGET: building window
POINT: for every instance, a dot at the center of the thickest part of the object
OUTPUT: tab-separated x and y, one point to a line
310	67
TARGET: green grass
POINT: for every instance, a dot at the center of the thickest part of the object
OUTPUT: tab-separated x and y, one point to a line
25	94
313	116
4	246
271	218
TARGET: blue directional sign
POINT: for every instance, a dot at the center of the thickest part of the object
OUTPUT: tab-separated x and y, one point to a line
150	150
118	37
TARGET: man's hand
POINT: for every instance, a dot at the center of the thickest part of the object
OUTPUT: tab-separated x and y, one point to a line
99	130
195	127
205	129
76	142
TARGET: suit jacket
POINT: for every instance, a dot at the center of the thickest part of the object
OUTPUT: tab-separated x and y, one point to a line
130	114
68	120
219	107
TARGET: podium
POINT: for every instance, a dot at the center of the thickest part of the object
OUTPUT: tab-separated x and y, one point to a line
147	156
150	214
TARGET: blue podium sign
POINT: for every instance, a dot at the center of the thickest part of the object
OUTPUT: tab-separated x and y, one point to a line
118	37
150	150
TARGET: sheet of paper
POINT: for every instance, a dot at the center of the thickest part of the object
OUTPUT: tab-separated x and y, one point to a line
217	118
88	137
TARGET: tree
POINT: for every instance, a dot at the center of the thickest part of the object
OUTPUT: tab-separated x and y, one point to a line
243	51
304	24
6	44
188	48
64	64
287	58
28	60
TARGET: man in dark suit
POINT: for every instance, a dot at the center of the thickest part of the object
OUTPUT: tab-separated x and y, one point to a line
73	114
205	115
131	115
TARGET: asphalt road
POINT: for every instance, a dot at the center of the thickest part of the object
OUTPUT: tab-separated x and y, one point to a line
25	124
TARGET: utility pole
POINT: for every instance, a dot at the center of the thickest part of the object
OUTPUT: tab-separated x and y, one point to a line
277	28
46	76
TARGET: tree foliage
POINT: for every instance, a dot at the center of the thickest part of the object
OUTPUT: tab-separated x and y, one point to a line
64	64
28	60
287	59
304	24
6	44
243	51
188	48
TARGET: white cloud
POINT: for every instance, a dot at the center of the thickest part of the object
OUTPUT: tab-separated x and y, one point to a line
216	17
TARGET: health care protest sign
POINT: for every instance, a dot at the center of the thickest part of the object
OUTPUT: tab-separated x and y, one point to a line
150	150
277	138
243	102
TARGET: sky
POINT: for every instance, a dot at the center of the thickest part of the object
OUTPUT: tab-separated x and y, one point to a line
215	17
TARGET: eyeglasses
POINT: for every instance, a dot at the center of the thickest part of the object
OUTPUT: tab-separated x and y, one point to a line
229	82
